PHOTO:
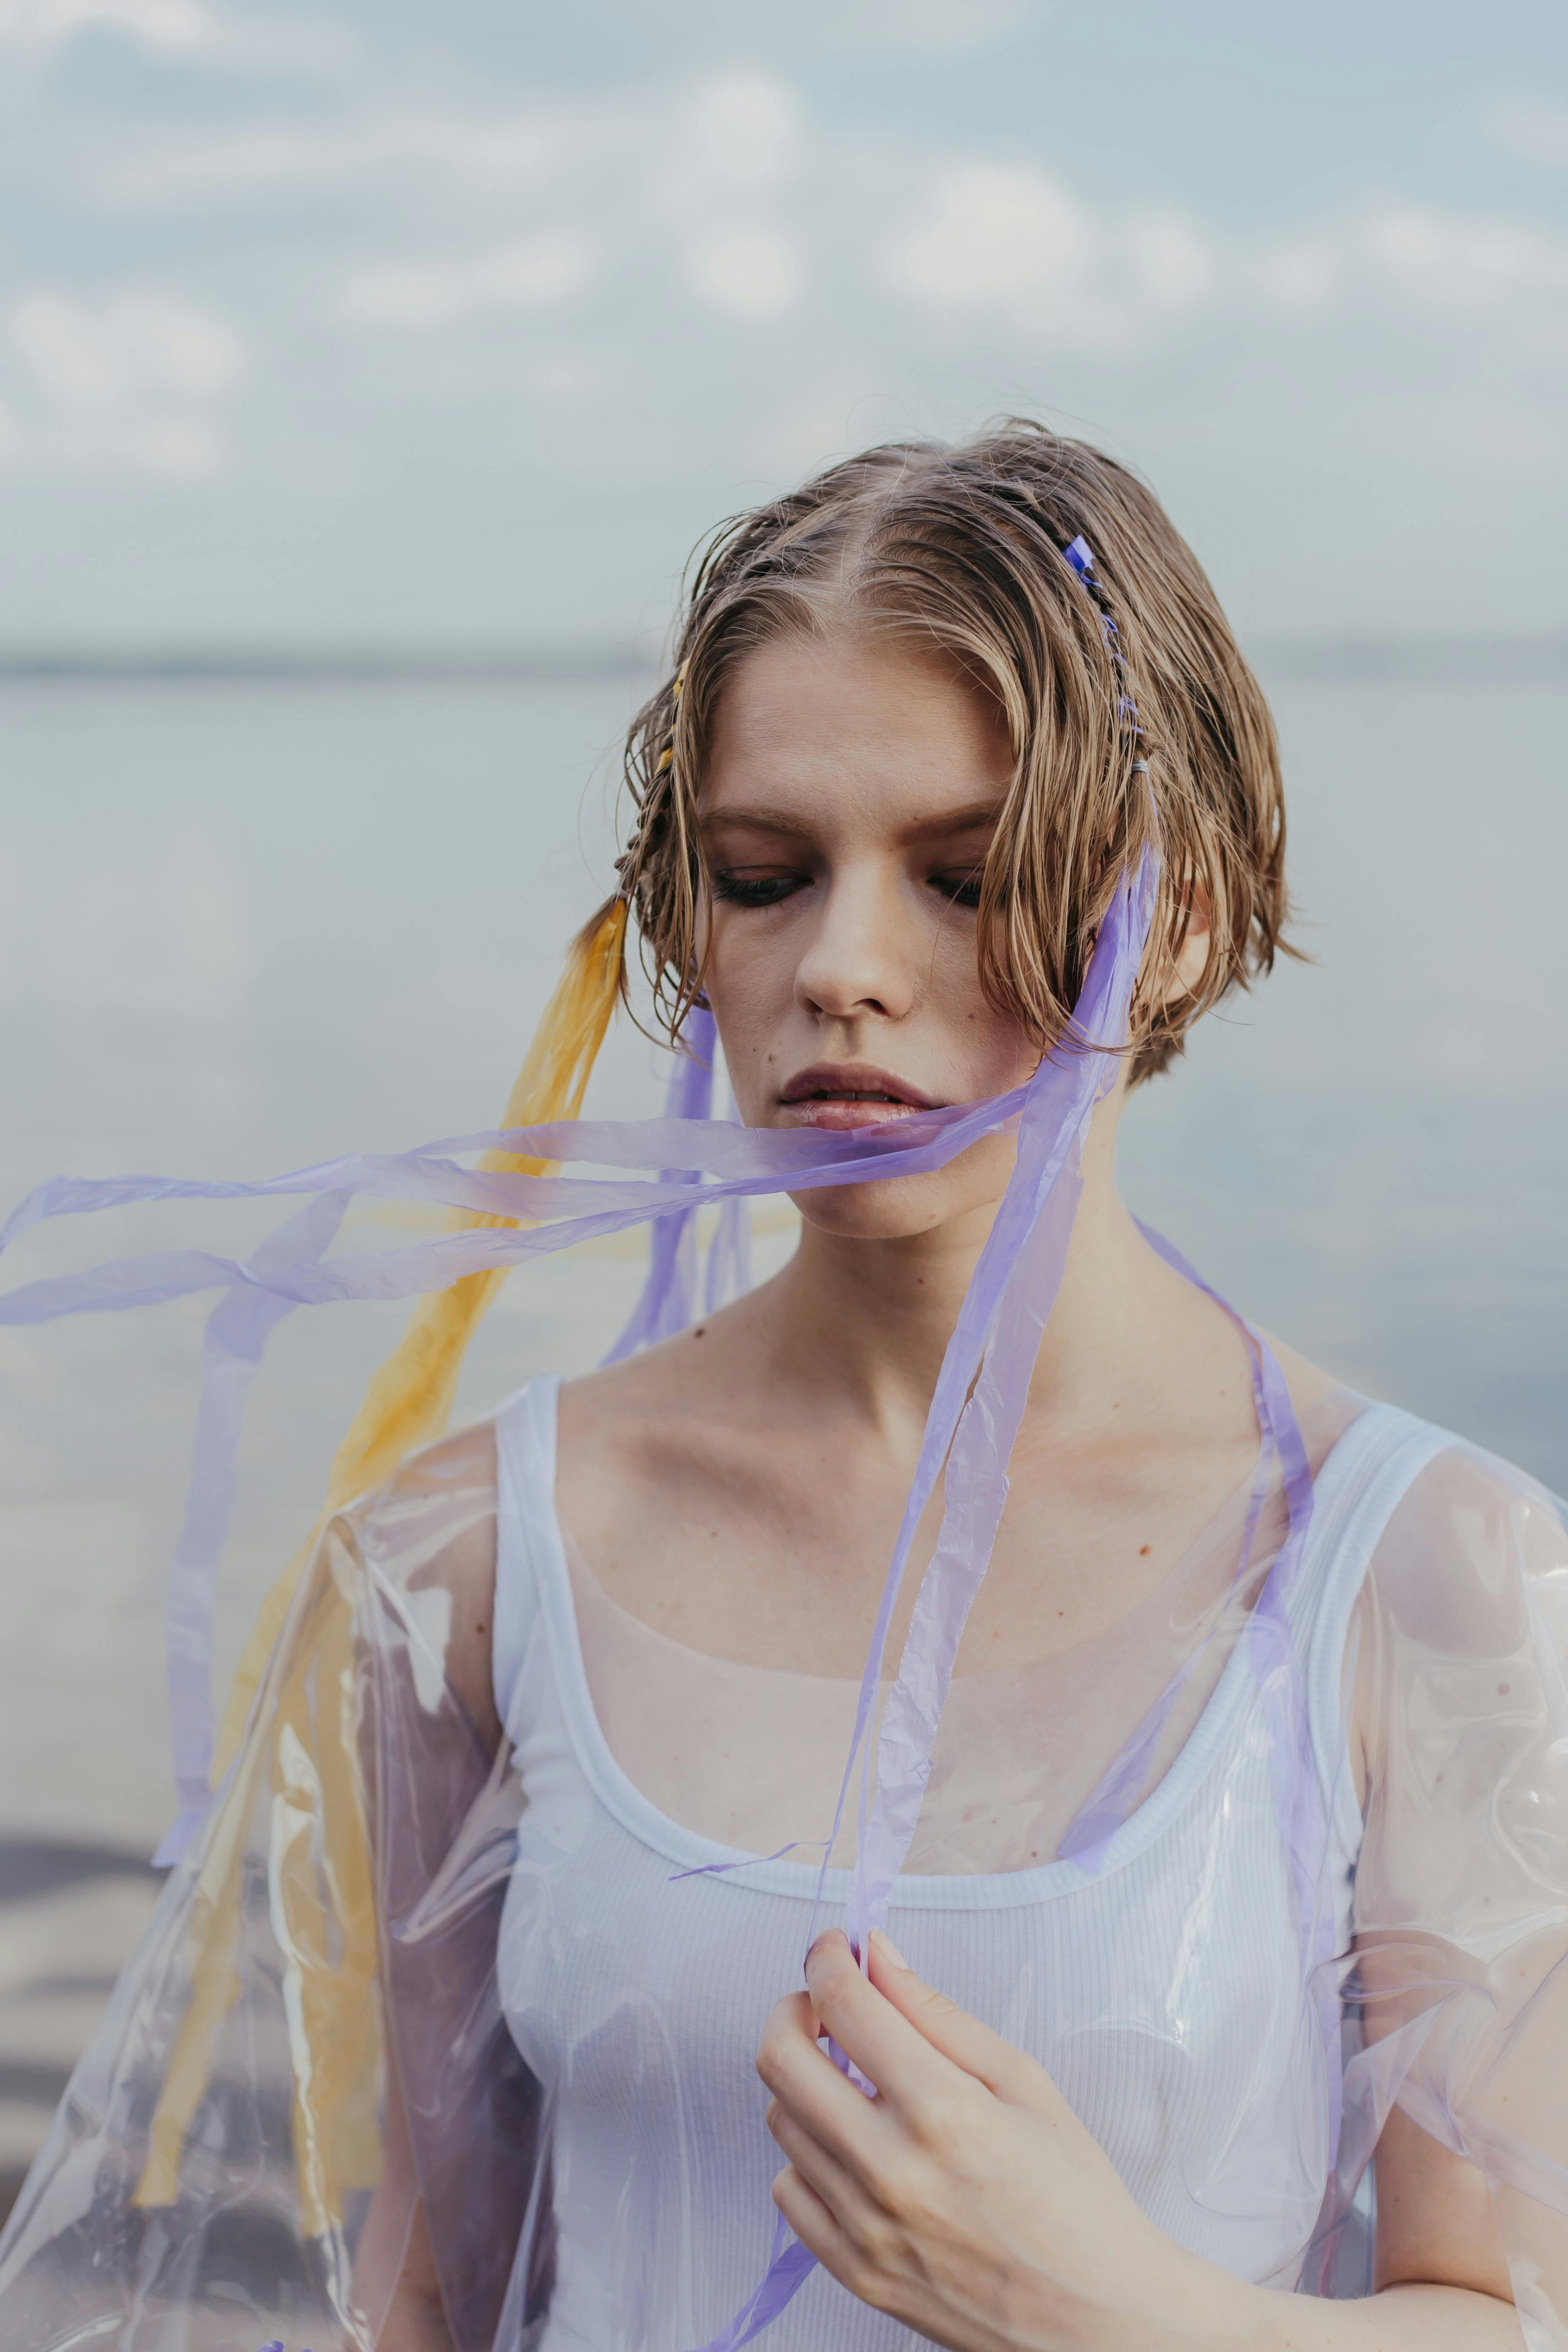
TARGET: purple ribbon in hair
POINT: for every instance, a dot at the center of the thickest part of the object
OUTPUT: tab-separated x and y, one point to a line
1080	555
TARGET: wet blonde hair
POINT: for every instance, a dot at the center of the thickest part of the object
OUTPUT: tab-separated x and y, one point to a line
961	550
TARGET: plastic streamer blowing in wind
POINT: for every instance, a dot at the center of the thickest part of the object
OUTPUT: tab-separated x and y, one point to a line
974	1415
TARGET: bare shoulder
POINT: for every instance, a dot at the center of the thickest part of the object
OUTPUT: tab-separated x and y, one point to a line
434	1525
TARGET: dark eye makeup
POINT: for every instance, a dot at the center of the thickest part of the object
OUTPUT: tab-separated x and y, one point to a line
741	890
755	889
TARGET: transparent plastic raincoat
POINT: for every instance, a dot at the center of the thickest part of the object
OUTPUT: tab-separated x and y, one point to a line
442	2033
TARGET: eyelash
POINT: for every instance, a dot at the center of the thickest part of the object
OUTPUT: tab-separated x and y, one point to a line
766	890
773	889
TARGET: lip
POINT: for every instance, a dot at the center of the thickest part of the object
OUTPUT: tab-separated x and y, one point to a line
843	1095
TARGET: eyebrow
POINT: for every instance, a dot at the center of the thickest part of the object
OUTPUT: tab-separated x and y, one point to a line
759	817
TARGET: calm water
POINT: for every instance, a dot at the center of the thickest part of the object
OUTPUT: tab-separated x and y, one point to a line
241	928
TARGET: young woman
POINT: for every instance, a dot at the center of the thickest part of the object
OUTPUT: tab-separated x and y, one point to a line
1239	1852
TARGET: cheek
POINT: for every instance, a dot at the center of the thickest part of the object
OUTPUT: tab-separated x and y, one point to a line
750	987
988	1046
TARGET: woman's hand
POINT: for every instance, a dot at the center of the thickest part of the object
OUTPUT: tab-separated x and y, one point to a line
967	2201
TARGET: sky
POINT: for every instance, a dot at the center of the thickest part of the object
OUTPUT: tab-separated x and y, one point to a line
377	324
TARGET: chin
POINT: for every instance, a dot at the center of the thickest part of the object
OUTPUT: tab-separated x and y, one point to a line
893	1211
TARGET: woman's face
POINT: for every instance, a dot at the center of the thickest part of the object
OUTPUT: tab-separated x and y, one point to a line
851	792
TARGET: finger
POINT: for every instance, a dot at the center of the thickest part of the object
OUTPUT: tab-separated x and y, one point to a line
815	2227
857	2213
959	2036
803	2078
902	2062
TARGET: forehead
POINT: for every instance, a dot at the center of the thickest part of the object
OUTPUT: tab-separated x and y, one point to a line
853	725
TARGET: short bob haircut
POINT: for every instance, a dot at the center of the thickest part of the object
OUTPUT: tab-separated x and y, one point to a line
1132	717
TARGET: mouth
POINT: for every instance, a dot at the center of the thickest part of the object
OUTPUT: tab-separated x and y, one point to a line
845	1094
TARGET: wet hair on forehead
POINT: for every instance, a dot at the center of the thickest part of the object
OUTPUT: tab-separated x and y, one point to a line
1132	717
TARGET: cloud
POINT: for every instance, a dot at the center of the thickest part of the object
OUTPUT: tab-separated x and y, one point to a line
705	133
747	272
991	230
1535	129
1454	262
178	25
1427	261
1173	262
478	149
1301	272
842	25
130	345
575	296
1013	238
744	127
187	33
720	191
522	277
128	376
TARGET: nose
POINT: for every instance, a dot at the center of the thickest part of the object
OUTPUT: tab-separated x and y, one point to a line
857	961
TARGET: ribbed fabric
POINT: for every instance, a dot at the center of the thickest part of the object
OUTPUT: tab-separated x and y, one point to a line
1163	1993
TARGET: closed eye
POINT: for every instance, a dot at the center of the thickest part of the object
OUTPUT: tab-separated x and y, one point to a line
960	889
743	887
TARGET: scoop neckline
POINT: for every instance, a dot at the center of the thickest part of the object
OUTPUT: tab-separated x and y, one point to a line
544	1547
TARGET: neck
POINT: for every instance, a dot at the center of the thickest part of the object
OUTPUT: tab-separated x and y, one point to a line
864	1323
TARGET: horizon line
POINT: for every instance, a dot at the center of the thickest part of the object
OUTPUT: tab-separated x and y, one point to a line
1336	659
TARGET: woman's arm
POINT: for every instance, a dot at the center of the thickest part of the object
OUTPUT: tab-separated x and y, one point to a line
397	2286
968	2201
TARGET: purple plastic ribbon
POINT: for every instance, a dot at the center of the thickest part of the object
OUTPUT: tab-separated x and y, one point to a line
994	1347
291	1269
980	1396
981	1393
668	1300
237	1332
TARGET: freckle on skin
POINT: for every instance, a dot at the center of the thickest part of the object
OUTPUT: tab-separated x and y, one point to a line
1144	1551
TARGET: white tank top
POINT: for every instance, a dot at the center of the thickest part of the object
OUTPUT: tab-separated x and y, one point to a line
636	1995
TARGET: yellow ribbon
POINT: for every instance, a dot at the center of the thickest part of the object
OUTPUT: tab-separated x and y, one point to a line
321	1894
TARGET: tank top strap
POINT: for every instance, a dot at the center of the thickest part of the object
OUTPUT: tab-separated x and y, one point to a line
1366	1475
